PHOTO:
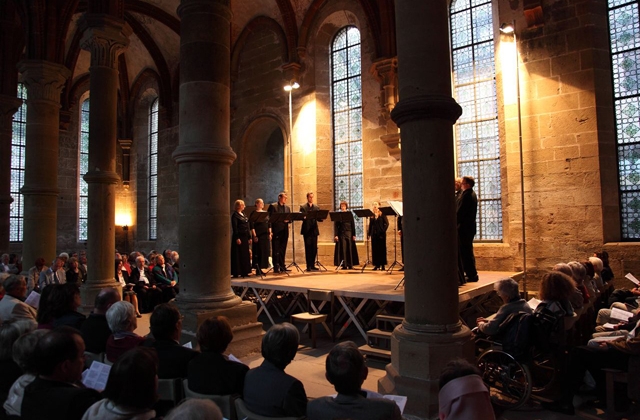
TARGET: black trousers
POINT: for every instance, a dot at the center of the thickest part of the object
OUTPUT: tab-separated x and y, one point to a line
279	248
310	250
465	244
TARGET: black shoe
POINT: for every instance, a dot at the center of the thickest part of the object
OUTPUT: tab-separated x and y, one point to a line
473	280
376	268
382	268
315	269
286	269
559	407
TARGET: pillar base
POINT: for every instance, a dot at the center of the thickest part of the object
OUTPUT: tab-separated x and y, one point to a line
416	362
247	331
89	291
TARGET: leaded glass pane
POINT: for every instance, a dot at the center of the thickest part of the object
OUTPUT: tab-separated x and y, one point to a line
628	120
624	28
630	206
625	73
614	3
463	63
629	167
461	29
153	169
457	5
484	60
18	149
83	167
482	23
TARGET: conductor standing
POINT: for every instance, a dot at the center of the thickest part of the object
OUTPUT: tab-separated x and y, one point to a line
280	232
467	208
310	233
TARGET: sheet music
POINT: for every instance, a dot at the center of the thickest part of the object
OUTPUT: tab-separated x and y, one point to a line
96	376
33	299
397	206
533	303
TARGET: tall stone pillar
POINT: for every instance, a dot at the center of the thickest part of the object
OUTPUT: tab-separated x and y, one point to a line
44	81
105	38
204	157
8	106
431	333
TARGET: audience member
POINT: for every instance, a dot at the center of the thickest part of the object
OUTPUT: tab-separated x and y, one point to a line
57	392
268	390
122	321
95	330
597	277
166	328
607	273
211	372
12	305
9	369
53	275
65	301
347	371
33	276
45	312
195	409
122	277
131	388
463	395
165	278
145	285
578	274
558	286
4	264
508	291
74	274
24	350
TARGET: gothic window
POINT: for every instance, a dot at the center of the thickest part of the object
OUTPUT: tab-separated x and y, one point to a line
624	33
83	167
346	109
18	148
153	170
476	132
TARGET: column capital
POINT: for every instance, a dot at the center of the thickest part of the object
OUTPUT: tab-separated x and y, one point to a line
9	105
44	79
385	71
105	37
219	7
426	107
204	153
125	144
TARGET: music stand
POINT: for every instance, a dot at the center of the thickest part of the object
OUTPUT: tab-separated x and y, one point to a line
343	216
320	216
258	217
278	218
366	214
293	217
396	207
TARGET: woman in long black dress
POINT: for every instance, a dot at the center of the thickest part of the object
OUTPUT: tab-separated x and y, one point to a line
261	239
345	239
240	241
378	234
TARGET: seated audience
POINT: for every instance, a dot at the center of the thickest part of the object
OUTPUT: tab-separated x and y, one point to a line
606	273
122	321
65	301
268	390
347	371
128	294
166	328
33	276
132	388
195	409
463	395
12	305
53	275
597	276
558	292
57	393
145	285
508	291
9	369
579	274
24	350
211	372
95	330
74	274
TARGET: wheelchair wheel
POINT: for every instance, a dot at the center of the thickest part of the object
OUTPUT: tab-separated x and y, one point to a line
544	371
509	381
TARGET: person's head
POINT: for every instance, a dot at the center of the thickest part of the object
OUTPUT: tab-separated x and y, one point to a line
24	350
563	268
60	355
280	344
45	307
9	333
64	257
175	257
345	368
73	263
588	266
16	286
132	257
467	182
104	299
166	322
597	264
310	197
238	205
195	409
57	264
82	259
121	317
140	262
507	289
167	254
556	286
118	266
458	184
344	205
215	334
456	369
282	198
604	256
259	203
159	260
4	258
578	272
39	263
133	379
64	298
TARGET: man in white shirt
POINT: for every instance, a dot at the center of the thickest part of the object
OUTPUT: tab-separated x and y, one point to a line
53	275
12	305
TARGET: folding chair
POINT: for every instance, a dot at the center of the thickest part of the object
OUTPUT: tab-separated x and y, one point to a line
313	315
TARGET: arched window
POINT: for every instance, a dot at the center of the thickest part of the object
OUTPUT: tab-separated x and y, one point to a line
83	167
346	110
476	132
153	170
624	32
18	148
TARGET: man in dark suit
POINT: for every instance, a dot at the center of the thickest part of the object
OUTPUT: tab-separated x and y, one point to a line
467	208
57	392
347	372
310	233
166	328
95	330
280	232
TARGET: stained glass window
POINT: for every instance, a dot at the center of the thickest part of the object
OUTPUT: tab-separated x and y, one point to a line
346	108
18	148
153	170
624	33
83	167
476	132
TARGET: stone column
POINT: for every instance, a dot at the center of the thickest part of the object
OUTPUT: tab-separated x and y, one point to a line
44	81
204	158
8	106
431	333
105	37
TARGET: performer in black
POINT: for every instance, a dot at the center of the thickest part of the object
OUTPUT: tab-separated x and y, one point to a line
240	241
401	240
310	233
378	233
345	239
467	208
260	240
279	234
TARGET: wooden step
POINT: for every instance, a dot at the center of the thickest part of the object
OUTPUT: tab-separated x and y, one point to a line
377	333
390	318
377	353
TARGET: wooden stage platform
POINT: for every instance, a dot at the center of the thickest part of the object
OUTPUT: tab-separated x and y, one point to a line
362	295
